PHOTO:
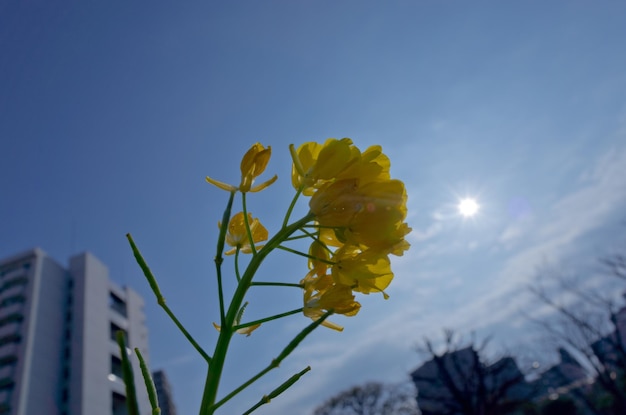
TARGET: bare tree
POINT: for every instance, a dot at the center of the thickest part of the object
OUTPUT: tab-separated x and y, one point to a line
460	381
592	325
373	398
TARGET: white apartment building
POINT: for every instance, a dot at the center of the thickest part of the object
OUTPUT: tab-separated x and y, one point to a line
58	354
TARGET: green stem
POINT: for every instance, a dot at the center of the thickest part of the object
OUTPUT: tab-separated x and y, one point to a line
219	258
128	376
276	361
317	239
266	319
160	299
295	238
276	284
215	369
237	274
182	328
247	222
291	206
293	251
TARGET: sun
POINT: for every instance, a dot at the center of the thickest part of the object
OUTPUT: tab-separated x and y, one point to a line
468	207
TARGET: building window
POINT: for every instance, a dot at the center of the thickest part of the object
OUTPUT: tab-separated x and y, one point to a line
15	281
11	338
116	366
11	318
117	304
6	383
7	360
13	300
119	404
7	270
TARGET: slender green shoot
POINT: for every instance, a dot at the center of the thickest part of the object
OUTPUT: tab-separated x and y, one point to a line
283	387
161	300
147	378
127	375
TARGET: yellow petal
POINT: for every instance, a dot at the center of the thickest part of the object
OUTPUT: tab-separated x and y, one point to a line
253	164
221	185
263	185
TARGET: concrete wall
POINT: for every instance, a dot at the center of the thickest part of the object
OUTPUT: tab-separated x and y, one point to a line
43	350
90	358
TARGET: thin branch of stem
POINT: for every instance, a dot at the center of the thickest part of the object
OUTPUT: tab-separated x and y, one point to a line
291	206
295	238
293	251
266	319
276	284
247	222
237	274
219	259
161	300
317	239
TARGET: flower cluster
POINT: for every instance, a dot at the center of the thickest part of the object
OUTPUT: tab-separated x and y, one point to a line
356	219
359	216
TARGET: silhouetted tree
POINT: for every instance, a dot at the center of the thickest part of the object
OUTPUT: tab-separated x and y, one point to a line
371	399
560	406
593	327
460	381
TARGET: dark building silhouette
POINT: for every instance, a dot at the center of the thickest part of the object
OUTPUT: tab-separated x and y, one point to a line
458	382
164	393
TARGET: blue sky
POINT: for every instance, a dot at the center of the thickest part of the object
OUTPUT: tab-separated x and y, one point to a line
112	113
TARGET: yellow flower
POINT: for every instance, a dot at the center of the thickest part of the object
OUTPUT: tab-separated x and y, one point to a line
253	164
372	165
314	164
237	236
322	294
364	271
371	215
319	258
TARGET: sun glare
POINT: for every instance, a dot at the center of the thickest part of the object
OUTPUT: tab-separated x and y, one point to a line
468	207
